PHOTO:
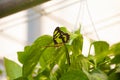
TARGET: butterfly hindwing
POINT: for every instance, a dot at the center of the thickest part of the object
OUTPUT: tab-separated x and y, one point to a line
60	37
65	37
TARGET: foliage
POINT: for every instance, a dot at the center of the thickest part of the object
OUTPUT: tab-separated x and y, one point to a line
1	72
44	61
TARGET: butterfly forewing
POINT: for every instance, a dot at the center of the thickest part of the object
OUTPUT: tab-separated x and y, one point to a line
56	36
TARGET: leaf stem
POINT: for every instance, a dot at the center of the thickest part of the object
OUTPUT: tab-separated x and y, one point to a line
67	55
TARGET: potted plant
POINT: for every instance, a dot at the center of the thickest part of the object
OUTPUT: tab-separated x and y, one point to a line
60	57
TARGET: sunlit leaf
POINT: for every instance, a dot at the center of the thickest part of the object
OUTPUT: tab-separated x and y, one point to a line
100	47
77	44
21	78
43	75
22	55
101	50
13	70
115	49
80	63
47	56
36	50
64	29
98	75
74	75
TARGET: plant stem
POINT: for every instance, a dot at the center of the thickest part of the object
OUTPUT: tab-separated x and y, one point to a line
67	55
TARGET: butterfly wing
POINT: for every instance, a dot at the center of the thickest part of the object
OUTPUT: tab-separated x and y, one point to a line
60	37
65	37
56	36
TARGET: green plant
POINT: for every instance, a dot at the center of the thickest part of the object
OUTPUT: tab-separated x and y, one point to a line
43	61
1	72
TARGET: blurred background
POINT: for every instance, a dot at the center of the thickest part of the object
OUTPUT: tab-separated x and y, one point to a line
99	20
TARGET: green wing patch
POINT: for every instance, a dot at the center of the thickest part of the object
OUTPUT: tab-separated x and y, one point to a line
60	37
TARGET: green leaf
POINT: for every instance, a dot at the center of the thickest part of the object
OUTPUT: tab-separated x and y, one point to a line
114	76
77	44
52	57
105	66
116	59
101	51
43	41
43	75
22	56
13	69
47	57
1	72
35	52
62	63
59	60
74	75
118	68
58	54
98	75
21	78
115	49
100	47
64	29
80	63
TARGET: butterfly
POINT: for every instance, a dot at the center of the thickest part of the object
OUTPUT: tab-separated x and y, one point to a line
60	37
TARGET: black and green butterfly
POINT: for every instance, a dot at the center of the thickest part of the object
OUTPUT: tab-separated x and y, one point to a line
60	37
